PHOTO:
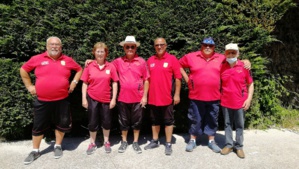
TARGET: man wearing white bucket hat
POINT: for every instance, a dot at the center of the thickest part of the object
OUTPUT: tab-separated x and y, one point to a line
236	95
133	79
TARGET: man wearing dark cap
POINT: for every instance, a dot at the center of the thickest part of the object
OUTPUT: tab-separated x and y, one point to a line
204	92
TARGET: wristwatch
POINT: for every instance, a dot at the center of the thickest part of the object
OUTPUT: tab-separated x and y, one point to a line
75	81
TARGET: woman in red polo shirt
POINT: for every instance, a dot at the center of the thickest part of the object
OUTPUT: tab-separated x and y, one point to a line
96	95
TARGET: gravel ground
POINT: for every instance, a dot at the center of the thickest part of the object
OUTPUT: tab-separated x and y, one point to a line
271	148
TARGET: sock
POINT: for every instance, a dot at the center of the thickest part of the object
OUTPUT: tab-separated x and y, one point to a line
210	141
57	145
193	140
168	143
36	150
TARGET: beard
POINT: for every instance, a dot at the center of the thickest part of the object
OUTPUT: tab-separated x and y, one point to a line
54	52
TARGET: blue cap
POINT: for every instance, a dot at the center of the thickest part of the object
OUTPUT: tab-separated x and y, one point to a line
208	41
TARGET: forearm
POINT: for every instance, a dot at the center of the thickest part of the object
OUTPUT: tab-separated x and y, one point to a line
184	74
250	91
178	85
114	90
77	76
145	88
25	78
84	90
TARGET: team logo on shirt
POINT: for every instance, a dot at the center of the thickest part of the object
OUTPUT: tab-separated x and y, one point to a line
45	63
152	65
107	72
165	64
239	71
62	63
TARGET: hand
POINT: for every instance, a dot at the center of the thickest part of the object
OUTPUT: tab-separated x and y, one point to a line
246	104
32	90
176	100
247	64
143	102
85	103
87	62
112	104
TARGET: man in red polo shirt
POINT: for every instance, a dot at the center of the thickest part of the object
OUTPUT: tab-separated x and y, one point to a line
52	71
164	68
133	78
236	95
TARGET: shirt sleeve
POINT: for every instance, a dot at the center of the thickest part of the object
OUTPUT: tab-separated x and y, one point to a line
184	62
30	64
84	76
176	68
114	75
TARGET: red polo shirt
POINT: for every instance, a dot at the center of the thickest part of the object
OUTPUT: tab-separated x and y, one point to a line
204	77
234	83
132	74
162	71
52	76
99	81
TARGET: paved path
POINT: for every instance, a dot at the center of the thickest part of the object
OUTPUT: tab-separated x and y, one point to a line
263	149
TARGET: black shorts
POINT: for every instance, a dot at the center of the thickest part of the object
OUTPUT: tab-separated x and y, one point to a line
51	112
98	111
162	115
130	115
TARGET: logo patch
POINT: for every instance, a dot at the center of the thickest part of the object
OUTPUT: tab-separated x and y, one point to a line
165	64
152	65
45	63
107	72
62	63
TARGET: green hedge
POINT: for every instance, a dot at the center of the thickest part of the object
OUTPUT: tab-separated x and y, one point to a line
25	25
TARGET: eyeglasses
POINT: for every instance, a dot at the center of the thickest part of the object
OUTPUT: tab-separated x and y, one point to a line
231	52
130	47
54	44
162	44
207	45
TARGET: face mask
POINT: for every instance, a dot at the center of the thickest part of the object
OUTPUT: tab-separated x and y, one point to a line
231	60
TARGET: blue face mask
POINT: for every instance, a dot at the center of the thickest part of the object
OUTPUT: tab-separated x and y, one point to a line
231	60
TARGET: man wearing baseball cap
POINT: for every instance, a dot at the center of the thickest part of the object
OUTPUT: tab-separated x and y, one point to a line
236	95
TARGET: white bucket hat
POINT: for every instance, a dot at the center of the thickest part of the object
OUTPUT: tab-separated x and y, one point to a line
129	39
232	46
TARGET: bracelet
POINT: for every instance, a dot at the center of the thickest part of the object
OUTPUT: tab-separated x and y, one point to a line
75	81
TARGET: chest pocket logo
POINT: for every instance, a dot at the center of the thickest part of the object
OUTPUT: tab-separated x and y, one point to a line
165	65
152	65
45	63
62	63
107	72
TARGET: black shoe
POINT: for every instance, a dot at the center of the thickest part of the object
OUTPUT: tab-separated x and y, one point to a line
57	152
168	149
123	147
152	144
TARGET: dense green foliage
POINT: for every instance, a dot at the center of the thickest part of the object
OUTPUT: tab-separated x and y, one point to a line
15	101
25	25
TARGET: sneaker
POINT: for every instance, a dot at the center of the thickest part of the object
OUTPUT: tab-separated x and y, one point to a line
240	153
91	148
136	148
107	147
31	157
213	146
226	150
190	146
57	152
168	149
152	144
123	147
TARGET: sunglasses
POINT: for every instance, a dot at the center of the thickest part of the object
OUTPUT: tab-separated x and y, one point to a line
231	52
207	45
162	44
130	47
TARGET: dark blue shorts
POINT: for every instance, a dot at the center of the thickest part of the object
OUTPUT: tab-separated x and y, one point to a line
130	115
203	116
